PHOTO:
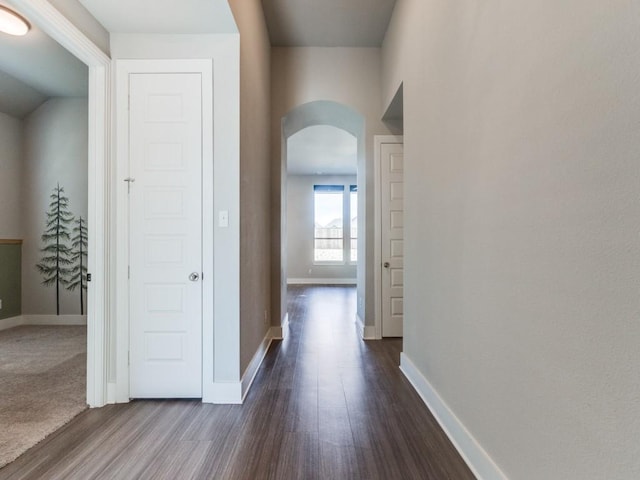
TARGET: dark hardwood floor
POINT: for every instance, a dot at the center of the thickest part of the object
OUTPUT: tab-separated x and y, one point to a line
324	405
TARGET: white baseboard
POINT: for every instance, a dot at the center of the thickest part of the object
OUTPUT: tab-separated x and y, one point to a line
42	320
366	332
254	365
281	332
11	322
222	393
55	319
322	281
235	392
478	460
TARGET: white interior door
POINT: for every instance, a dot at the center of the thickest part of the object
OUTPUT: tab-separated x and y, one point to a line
165	156
392	227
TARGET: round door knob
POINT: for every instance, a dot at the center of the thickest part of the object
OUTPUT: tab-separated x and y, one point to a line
194	277
386	264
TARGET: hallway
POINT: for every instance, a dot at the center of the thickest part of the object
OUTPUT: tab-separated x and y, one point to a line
324	405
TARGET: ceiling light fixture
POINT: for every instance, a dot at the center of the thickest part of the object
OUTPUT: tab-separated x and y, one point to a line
12	23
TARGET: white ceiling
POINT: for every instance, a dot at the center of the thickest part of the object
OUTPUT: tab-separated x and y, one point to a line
327	23
34	68
163	16
322	150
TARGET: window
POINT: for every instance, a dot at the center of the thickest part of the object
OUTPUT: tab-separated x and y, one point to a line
328	223
335	215
353	224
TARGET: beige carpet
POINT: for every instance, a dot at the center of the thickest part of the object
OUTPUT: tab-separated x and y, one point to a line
42	384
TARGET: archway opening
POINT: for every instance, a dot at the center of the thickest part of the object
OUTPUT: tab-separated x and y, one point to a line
323	122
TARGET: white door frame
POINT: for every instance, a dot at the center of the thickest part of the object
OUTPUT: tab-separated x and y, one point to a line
123	69
378	140
56	25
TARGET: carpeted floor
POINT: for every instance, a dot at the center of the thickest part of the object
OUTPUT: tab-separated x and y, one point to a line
42	383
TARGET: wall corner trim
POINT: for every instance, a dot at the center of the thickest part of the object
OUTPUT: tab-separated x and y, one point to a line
366	332
222	393
478	460
254	365
281	332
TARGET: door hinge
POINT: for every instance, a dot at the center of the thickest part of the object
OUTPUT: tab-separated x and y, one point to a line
128	271
128	358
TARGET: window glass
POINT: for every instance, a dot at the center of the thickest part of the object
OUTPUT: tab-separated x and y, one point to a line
328	223
353	224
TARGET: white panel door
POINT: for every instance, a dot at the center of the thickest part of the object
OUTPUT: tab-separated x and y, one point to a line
392	227
165	141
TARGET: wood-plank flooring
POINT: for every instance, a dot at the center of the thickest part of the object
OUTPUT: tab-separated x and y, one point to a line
324	405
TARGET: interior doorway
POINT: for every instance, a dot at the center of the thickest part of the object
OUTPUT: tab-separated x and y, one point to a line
58	27
166	190
389	164
350	123
389	222
322	207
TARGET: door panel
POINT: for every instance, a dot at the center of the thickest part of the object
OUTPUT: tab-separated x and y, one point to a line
165	140
392	224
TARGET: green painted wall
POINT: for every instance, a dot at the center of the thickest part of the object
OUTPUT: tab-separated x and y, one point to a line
10	280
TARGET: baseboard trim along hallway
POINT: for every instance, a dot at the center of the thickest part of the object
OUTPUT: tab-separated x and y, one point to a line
42	320
470	450
254	365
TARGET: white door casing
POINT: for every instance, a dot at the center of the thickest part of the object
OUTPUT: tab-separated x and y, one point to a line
61	29
391	227
165	232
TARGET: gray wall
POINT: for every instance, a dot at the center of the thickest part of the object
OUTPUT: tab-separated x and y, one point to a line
350	76
10	215
55	151
255	191
10	276
10	176
300	228
522	255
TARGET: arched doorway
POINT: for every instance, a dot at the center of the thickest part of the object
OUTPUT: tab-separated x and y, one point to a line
345	118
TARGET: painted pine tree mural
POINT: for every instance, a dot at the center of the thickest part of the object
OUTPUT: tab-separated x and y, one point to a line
55	264
78	273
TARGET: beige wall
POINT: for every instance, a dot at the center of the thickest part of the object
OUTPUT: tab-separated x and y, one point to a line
255	187
350	76
522	249
10	176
